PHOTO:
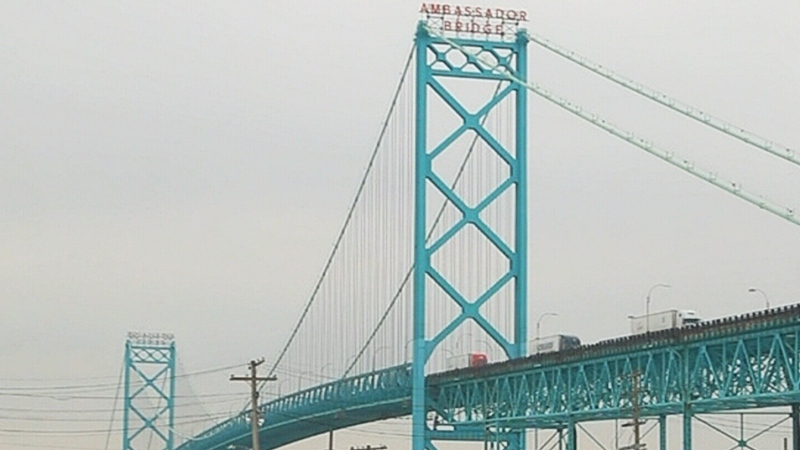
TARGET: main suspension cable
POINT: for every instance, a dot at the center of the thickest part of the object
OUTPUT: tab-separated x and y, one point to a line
347	220
671	103
665	155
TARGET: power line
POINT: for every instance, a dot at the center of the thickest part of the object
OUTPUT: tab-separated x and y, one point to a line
95	386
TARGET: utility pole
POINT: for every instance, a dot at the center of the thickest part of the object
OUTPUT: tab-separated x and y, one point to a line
253	378
636	414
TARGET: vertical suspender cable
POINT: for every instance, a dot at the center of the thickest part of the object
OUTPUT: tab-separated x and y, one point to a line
434	225
340	237
114	408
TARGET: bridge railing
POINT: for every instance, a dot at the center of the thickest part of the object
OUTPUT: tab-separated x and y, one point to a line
749	361
326	397
379	383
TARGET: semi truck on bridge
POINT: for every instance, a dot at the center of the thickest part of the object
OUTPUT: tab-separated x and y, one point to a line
663	320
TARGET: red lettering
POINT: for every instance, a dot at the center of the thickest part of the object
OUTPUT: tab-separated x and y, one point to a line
487	29
468	10
423	9
523	16
457	11
489	13
446	9
448	26
435	8
479	11
498	29
474	27
511	14
498	13
459	25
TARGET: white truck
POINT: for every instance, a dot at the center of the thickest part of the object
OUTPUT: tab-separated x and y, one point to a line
466	360
664	320
555	343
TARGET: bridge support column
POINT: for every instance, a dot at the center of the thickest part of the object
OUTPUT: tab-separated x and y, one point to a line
687	428
662	429
433	73
796	427
572	436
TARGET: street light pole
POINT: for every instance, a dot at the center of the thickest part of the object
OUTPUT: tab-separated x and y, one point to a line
536	348
300	378
375	353
647	305
539	323
766	299
405	350
322	370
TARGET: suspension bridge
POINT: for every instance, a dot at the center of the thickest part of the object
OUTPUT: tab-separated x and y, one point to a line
431	264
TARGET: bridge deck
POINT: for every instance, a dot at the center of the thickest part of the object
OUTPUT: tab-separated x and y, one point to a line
741	362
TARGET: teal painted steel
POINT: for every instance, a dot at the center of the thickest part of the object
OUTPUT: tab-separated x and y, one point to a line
687	428
433	64
723	365
421	259
795	426
733	363
343	403
149	360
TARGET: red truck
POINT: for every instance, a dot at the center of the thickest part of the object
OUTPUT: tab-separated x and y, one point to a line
467	360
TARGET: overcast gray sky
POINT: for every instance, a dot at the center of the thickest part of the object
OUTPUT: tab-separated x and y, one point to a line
185	166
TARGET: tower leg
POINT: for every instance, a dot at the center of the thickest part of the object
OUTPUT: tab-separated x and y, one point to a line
662	428
796	427
572	436
687	429
560	439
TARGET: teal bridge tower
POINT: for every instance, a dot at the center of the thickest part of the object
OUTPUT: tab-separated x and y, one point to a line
728	365
149	408
439	59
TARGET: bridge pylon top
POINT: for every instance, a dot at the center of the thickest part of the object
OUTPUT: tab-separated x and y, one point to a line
475	23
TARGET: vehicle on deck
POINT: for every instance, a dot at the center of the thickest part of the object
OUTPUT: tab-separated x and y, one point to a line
467	360
556	343
664	320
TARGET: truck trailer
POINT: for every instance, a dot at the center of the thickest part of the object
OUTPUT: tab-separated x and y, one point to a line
555	343
664	320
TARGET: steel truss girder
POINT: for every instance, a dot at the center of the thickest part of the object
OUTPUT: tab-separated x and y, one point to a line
339	404
740	371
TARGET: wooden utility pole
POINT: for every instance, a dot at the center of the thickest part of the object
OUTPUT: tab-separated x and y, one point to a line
253	378
636	414
637	411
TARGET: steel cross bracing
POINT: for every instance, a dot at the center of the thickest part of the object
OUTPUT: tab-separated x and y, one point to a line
746	362
151	362
433	64
724	365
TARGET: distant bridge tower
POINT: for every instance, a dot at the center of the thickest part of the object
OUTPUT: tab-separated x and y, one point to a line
149	411
443	56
